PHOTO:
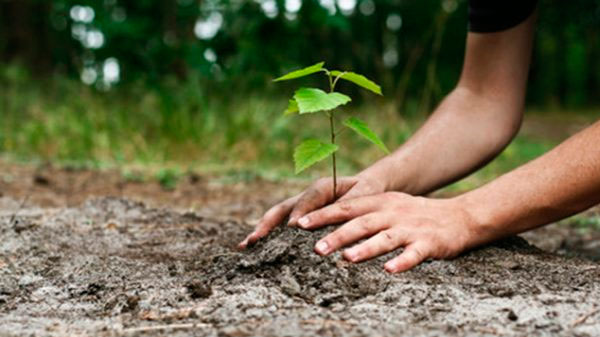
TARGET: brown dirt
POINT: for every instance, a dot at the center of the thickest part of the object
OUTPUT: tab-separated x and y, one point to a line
241	198
76	262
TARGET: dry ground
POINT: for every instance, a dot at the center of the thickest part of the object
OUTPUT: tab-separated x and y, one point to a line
90	253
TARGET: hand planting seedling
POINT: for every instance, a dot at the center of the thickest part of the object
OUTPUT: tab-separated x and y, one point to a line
311	100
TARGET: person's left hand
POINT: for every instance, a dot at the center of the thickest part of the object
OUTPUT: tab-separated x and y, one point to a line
426	228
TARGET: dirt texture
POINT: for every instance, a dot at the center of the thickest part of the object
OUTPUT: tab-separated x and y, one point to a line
112	266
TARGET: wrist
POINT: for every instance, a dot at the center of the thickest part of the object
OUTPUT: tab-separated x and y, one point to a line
377	182
386	175
479	218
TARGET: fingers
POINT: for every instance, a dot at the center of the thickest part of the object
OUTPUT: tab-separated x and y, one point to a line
340	211
350	232
272	218
383	242
386	240
412	256
319	195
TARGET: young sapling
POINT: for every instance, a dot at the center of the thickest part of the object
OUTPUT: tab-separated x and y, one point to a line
311	100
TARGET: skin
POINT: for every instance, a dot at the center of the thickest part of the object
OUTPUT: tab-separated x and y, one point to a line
469	128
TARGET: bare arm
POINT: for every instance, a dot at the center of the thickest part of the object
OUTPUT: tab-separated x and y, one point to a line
561	183
473	124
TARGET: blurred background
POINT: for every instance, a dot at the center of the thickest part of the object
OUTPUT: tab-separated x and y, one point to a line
186	84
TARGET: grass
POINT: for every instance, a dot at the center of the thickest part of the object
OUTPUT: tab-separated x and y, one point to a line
183	127
586	222
520	151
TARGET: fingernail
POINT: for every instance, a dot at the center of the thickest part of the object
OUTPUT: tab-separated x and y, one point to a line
248	238
303	221
390	266
351	254
322	247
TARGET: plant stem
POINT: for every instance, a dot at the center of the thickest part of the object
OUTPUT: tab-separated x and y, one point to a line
332	130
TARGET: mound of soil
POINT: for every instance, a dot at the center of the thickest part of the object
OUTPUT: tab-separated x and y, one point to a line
112	266
286	261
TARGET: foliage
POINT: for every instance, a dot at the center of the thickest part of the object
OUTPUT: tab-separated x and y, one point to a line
363	130
310	100
133	176
167	178
315	100
240	43
586	221
311	151
301	73
359	80
180	126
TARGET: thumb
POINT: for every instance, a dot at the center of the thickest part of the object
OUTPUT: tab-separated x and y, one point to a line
360	189
318	195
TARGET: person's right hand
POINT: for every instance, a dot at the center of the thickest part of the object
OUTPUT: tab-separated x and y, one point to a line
318	195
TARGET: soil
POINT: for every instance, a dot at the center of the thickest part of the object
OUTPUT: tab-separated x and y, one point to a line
74	261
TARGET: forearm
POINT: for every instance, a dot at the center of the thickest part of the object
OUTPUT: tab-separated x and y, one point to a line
473	124
561	183
464	133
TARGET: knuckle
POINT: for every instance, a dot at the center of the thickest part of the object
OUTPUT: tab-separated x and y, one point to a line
365	250
391	196
419	254
363	226
450	254
335	239
345	207
304	205
320	183
311	196
296	211
397	195
387	236
389	242
421	201
306	196
446	250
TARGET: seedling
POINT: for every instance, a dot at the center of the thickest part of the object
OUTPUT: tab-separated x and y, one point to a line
311	100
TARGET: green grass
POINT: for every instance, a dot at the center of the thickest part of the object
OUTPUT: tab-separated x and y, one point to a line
182	127
520	151
177	125
586	222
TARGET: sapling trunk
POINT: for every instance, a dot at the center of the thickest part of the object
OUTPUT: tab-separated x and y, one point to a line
332	130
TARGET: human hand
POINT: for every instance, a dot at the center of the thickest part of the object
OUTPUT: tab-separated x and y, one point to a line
319	194
426	228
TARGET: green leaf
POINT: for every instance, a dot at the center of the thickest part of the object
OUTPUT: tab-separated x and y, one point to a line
363	130
359	80
313	100
311	151
301	73
292	108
